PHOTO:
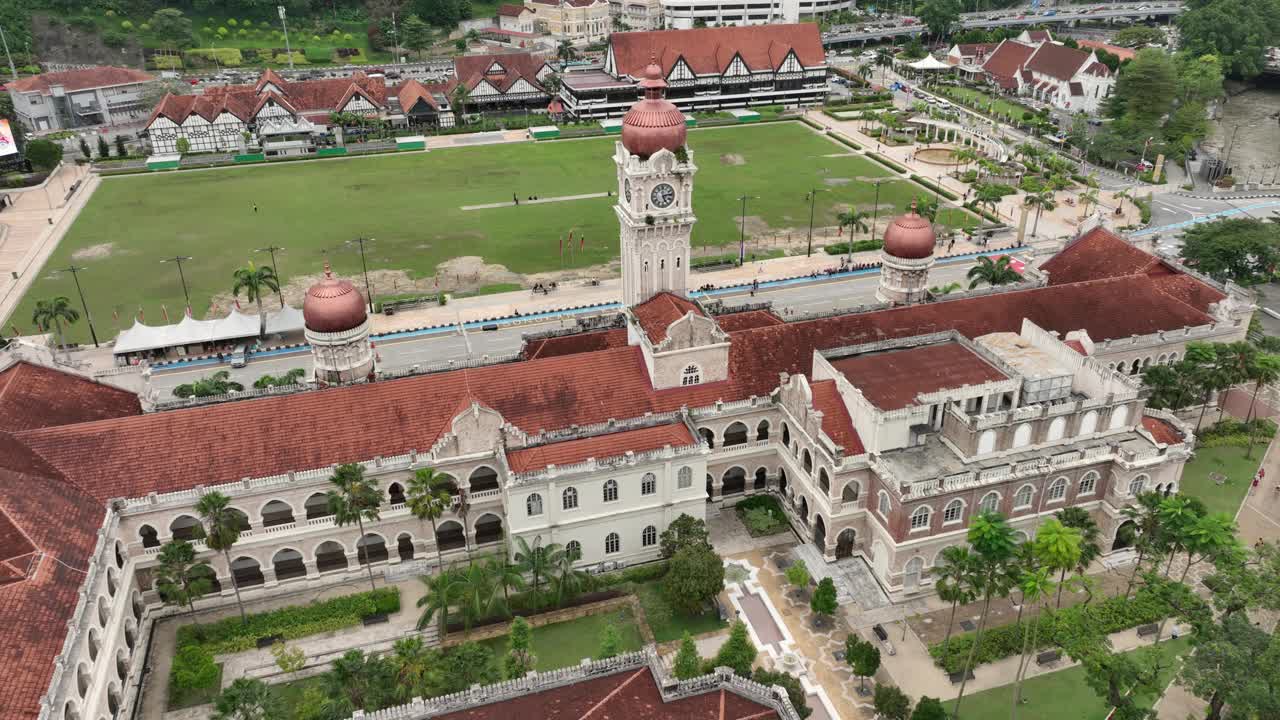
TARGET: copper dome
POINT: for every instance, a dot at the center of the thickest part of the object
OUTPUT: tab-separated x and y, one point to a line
910	236
333	305
654	123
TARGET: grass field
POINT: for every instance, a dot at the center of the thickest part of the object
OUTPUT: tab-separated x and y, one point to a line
411	204
1229	461
567	643
983	101
1061	695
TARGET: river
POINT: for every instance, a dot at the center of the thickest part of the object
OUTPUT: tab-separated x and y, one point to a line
1250	125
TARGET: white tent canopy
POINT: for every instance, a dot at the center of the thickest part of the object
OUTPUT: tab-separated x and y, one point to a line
190	331
928	62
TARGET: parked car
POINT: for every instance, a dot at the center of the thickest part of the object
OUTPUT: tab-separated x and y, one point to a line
239	357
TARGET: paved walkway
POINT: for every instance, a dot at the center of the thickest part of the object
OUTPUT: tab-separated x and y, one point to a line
539	201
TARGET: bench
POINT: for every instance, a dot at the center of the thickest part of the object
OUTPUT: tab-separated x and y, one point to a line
269	640
377	619
958	677
1148	629
1048	656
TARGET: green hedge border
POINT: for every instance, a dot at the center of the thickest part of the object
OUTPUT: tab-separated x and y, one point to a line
935	187
886	162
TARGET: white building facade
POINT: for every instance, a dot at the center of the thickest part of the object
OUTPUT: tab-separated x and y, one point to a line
686	14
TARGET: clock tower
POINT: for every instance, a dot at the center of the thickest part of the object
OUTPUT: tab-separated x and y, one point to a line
655	194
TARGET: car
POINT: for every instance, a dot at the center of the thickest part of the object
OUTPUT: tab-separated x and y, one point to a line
1145	166
239	357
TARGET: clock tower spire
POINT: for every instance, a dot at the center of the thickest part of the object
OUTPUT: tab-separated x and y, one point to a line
655	194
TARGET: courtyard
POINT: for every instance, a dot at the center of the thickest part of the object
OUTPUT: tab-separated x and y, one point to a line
220	217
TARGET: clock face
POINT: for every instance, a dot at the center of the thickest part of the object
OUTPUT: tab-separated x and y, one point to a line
626	189
663	195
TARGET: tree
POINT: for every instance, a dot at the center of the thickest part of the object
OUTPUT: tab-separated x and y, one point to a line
940	16
1041	201
684	531
1237	31
1080	519
222	526
357	682
172	27
468	664
520	658
855	220
1035	586
414	666
354	499
255	282
84	150
1199	78
687	663
694	576
929	709
824	603
1088	199
55	311
1263	369
183	146
863	658
988	195
1136	35
290	659
610	641
738	652
427	496
1146	88
1230	667
1244	251
954	580
795	691
121	149
437	599
566	580
565	52
798	575
535	561
1249	581
461	96
415	34
43	154
181	579
992	273
884	60
219	383
248	699
476	592
1057	547
993	546
1119	678
891	703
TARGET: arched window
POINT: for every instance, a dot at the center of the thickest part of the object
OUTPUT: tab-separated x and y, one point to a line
953	512
569	498
884	504
648	484
649	537
986	442
574	549
1137	484
1088	483
735	434
807	461
762	430
823	481
612	544
148	535
1057	491
692	375
708	437
684	478
610	490
1057	428
990	503
1119	416
851	492
920	518
1023	498
533	504
1089	423
1022	435
786	434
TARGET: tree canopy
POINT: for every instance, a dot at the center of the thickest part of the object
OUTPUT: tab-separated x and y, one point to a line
1238	31
1245	251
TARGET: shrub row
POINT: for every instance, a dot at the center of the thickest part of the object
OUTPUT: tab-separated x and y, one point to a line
858	246
1084	180
935	187
1108	616
986	214
1232	432
637	574
886	162
845	141
230	635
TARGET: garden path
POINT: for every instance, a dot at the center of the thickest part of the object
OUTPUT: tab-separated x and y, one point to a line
539	201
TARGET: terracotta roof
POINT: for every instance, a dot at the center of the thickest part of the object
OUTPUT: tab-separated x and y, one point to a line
1162	431
1057	61
573	344
658	312
469	70
512	10
892	379
32	396
301	97
632	694
411	91
1077	346
747	320
1122	53
836	421
599	447
971	49
708	51
1097	254
1039	35
1197	294
72	80
1097	68
1007	60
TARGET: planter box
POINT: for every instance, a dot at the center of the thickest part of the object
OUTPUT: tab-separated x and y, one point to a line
612	127
331	152
545	132
416	142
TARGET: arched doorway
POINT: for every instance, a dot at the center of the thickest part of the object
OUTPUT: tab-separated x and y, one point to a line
372	548
845	542
880	560
404	546
148	535
206	572
247	572
330	555
786	435
241	519
711	490
488	529
449	536
851	492
1126	535
185	527
911	574
762	430
762	479
734	481
395	493
708	437
824	482
819	532
804	510
782	481
288	564
276	512
807	461
735	434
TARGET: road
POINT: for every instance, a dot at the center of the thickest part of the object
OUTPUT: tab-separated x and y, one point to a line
800	298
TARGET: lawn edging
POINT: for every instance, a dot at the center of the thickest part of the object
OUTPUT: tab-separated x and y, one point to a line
550	617
935	187
886	162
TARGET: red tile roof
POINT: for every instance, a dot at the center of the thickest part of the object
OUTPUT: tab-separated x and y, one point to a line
658	312
1007	60
708	51
72	80
629	695
1189	290
892	379
1122	53
512	10
747	320
411	91
1039	35
836	421
573	344
469	70
1057	61
1077	346
32	396
243	101
1162	431
599	447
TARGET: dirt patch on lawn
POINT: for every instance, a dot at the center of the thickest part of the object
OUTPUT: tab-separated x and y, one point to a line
836	181
94	252
733	159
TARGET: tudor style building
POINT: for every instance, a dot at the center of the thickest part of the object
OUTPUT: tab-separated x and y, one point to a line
510	81
884	430
706	69
1036	66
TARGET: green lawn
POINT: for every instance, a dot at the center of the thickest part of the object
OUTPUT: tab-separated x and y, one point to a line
412	205
665	622
1229	461
1061	695
983	101
180	698
567	643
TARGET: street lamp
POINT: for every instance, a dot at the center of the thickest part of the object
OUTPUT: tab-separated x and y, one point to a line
273	249
179	259
89	318
812	197
368	289
875	211
742	235
285	25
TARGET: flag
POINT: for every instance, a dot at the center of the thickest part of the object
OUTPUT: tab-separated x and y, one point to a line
165	311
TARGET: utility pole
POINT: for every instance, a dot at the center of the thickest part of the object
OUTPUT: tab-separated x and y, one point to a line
85	306
368	289
875	211
395	33
12	70
742	235
273	249
284	24
179	259
812	198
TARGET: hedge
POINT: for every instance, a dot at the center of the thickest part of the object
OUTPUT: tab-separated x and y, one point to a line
986	214
886	162
935	187
1111	615
858	246
318	55
231	635
226	57
844	141
1234	433
638	574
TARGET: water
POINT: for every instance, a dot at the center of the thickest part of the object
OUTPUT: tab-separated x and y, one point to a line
1251	117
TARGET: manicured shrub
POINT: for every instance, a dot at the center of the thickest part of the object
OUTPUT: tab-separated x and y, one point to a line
842	248
193	668
126	25
231	635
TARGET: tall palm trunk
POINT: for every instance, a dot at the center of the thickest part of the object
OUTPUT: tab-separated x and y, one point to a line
973	649
226	554
1035	229
262	318
1204	405
368	564
1256	388
1026	663
1133	576
439	553
62	343
1061	576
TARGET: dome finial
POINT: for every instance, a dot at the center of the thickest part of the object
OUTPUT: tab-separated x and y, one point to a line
328	273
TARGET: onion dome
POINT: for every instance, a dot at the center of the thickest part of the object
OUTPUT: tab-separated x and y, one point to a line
654	123
333	305
910	236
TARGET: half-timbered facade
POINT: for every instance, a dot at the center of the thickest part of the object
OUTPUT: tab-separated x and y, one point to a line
501	82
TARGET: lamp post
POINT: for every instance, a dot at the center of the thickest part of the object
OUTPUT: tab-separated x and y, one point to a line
85	306
12	70
812	198
368	289
742	233
285	25
179	259
875	211
273	249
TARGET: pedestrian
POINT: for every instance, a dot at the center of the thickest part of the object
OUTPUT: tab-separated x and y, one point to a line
515	199
1254	487
255	207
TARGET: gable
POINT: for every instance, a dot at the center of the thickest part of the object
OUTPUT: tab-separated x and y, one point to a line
484	88
736	67
680	71
791	63
521	86
496	69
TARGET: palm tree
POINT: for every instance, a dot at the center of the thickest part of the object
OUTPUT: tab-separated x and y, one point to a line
437	599
248	699
926	207
1090	550
255	282
1035	587
1145	516
966	155
992	273
864	72
988	195
992	541
55	312
855	220
461	96
884	59
1263	369
567	581
1088	198
1058	548
535	561
221	532
180	578
412	661
1041	201
507	575
1233	361
477	592
354	500
1125	193
353	681
565	52
954	575
428	498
